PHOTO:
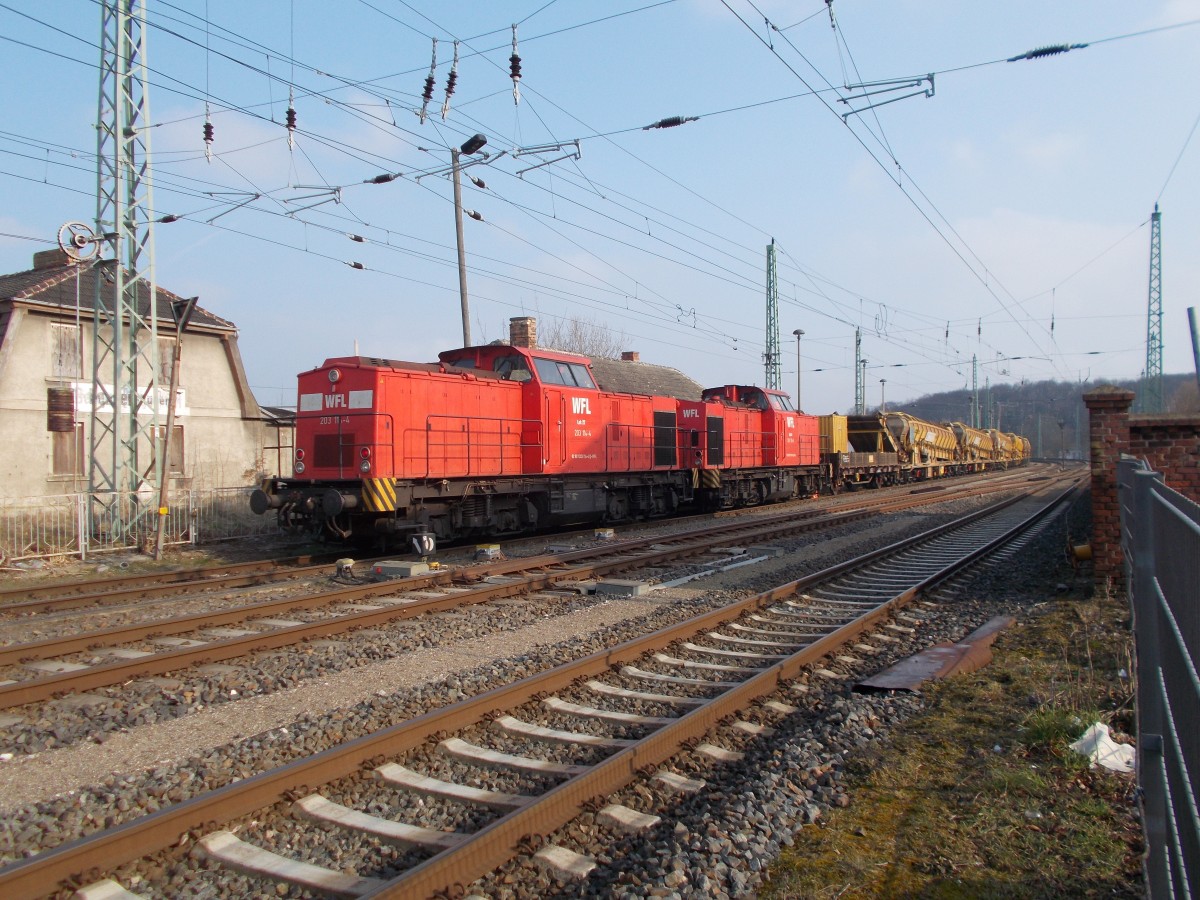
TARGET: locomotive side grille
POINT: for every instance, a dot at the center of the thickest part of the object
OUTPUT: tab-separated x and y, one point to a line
716	441
333	451
664	439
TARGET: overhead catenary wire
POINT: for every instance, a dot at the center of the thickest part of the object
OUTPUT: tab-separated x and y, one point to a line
747	262
921	211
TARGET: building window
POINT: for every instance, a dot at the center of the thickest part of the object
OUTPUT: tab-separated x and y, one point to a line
66	436
60	409
66	356
67	454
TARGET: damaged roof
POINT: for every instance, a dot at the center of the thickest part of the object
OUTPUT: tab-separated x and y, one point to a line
53	283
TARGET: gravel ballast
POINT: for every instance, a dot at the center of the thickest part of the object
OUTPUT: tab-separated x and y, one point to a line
716	843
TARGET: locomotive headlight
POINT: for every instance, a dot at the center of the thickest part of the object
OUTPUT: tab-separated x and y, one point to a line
299	467
335	375
364	466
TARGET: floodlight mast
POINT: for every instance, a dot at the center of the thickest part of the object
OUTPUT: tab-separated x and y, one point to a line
799	333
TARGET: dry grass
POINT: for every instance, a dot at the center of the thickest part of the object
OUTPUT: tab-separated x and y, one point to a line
941	812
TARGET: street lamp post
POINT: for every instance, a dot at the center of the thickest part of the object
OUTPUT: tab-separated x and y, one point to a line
882	396
473	145
799	333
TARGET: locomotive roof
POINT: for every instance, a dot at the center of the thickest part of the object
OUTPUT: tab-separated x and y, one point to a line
623	376
617	375
380	362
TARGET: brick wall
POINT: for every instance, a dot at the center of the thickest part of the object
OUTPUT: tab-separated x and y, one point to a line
1171	445
1108	438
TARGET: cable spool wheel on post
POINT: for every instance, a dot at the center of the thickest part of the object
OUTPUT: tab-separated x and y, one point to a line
78	241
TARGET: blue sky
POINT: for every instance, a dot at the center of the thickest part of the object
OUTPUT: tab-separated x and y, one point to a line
945	227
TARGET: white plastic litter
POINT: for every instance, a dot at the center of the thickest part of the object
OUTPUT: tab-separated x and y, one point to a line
1101	749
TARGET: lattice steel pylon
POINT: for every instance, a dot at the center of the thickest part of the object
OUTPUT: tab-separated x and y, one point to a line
860	376
123	469
975	420
771	356
1152	387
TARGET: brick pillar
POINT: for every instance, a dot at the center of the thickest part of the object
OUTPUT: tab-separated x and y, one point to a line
1108	438
522	331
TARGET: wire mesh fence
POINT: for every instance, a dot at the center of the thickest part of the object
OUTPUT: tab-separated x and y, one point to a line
81	524
1160	537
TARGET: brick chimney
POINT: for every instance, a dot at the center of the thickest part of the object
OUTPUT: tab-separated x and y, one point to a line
51	259
522	331
631	356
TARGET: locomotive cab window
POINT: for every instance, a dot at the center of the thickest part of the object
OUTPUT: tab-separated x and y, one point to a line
552	371
781	403
583	377
513	368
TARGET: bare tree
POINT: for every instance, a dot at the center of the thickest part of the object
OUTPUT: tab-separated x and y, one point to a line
577	335
1186	399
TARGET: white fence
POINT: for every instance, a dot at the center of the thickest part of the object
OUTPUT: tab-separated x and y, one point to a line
82	524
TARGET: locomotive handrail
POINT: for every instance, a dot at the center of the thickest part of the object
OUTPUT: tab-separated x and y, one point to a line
613	442
473	450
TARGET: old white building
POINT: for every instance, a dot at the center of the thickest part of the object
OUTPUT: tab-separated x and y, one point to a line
220	435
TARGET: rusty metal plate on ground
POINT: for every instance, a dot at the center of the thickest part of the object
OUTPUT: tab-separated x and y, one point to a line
939	661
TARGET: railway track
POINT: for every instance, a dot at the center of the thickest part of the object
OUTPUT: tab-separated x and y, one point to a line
60	595
36	671
621	716
113	589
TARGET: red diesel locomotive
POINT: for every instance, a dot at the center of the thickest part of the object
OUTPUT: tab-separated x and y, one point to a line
498	439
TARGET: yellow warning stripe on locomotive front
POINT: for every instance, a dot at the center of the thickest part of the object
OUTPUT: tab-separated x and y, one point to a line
379	494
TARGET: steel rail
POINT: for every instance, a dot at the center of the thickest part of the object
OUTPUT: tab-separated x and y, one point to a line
64	595
119	634
59	593
451	871
66	864
620	555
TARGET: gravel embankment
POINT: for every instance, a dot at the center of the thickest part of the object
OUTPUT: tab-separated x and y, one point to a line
162	746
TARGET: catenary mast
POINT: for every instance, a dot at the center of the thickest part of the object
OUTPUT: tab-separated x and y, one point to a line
771	356
1152	387
123	468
